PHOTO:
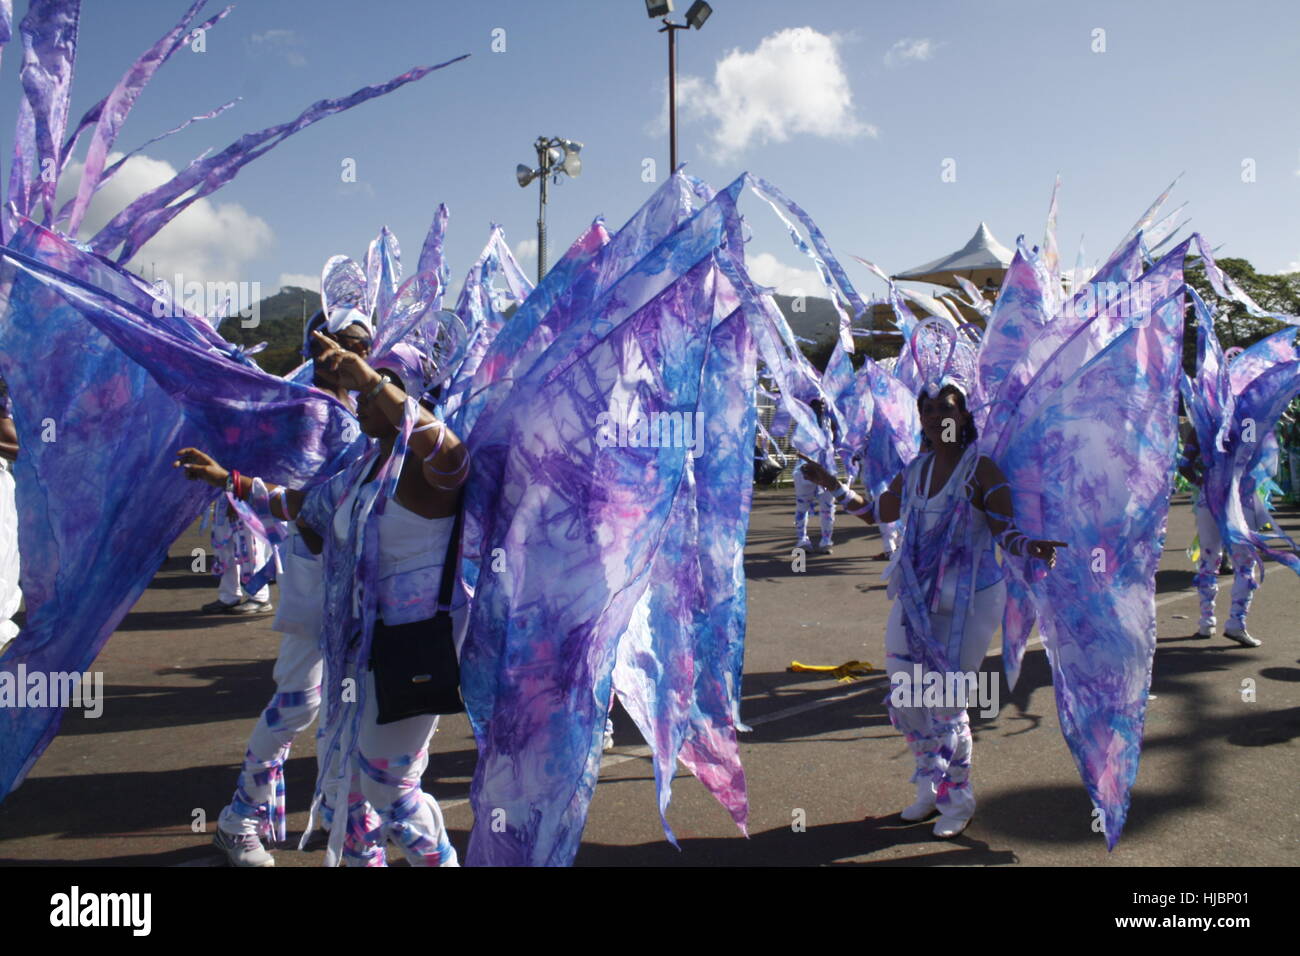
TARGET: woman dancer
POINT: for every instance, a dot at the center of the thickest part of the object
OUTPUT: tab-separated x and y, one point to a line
257	808
952	503
386	522
11	596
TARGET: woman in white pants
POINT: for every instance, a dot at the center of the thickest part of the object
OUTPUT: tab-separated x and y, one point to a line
948	590
386	522
11	596
257	809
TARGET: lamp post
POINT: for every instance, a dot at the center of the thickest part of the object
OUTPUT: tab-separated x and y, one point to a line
554	156
695	17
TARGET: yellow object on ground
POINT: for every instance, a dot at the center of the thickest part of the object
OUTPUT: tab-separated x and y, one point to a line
849	670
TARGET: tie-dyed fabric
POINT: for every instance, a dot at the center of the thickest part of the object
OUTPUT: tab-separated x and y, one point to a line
1097	473
596	515
1234	406
1070	386
109	378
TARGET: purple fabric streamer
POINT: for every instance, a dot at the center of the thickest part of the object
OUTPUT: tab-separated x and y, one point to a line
124	377
142	219
431	254
49	34
112	170
116	106
93	114
92	553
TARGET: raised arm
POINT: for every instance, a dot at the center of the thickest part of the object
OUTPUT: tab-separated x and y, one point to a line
443	457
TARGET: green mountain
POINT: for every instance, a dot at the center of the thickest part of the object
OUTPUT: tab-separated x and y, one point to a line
280	320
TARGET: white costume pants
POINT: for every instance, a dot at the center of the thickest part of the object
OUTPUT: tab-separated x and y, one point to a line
11	596
258	803
244	542
390	760
807	497
1244	581
940	737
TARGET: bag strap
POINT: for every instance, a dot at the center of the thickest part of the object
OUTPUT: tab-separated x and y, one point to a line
450	565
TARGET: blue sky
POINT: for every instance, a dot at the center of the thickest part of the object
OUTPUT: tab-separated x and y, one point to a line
852	108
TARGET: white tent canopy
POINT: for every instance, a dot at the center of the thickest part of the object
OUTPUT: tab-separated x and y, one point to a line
982	260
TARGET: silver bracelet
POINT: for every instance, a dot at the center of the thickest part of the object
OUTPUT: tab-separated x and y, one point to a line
383	380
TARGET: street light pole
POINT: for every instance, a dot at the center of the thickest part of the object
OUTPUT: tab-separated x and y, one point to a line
554	156
671	29
544	165
695	17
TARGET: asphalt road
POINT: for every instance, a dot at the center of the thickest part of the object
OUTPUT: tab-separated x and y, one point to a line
826	771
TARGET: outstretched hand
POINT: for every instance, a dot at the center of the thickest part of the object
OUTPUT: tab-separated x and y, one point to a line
817	474
349	369
199	466
1045	550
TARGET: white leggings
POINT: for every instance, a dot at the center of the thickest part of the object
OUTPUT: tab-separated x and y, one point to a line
258	803
811	497
940	737
230	590
1206	579
11	597
389	762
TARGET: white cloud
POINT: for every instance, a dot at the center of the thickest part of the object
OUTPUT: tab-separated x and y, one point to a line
910	49
1293	266
793	84
285	44
300	280
208	242
526	249
766	269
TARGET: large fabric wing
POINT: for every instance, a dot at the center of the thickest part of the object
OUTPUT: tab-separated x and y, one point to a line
1098	456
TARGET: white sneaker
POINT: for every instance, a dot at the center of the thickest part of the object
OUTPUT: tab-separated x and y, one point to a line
242	849
924	807
1206	629
1241	636
949	825
804	544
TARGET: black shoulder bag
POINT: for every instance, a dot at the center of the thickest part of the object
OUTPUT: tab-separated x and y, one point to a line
415	665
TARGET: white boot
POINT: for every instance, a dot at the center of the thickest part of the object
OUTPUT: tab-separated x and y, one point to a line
955	812
924	806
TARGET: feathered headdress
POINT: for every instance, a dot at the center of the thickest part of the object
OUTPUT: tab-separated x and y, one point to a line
423	344
946	355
